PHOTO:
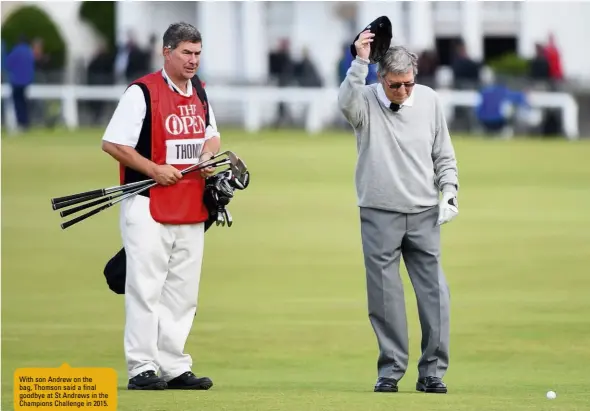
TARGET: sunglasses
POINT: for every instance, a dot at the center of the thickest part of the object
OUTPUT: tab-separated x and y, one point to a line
396	86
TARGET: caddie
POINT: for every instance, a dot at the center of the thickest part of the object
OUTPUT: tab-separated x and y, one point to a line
159	128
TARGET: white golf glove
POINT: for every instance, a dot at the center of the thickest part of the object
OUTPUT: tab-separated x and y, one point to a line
448	208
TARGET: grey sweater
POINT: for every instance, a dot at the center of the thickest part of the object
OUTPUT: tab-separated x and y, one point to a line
405	158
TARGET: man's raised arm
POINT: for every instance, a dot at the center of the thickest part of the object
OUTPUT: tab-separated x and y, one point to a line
351	101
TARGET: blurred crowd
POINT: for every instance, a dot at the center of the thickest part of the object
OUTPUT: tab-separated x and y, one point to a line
503	108
20	65
27	62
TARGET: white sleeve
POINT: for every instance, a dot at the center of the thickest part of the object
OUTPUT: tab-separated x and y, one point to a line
212	127
125	125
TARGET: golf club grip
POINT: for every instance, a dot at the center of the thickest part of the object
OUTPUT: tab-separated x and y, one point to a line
97	193
84	216
66	213
67	203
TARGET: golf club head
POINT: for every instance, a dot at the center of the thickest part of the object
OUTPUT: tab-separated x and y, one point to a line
238	167
241	183
220	219
228	217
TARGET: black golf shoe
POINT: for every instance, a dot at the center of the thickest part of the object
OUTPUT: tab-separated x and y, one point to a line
432	385
147	380
386	385
189	381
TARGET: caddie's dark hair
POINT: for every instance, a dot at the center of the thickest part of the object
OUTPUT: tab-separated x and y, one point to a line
179	32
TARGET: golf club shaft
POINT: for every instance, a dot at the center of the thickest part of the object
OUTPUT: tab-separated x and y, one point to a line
82	217
59	203
88	195
69	211
79	200
125	196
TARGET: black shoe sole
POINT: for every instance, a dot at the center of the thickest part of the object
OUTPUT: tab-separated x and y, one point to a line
392	389
161	385
422	388
203	386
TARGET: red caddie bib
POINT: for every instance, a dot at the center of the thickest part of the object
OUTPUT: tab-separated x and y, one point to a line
177	138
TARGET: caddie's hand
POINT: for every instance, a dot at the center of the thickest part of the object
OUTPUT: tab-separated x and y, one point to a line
363	44
166	174
206	172
448	208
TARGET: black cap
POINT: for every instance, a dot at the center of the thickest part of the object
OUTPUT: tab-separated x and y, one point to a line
381	28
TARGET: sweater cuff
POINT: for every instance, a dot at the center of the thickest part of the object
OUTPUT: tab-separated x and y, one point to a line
362	60
449	188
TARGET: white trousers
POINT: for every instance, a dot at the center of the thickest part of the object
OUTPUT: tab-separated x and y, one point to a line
161	290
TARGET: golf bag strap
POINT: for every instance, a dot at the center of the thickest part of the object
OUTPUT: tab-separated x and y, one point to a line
202	96
144	145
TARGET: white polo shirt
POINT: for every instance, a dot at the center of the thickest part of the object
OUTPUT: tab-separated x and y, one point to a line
127	120
385	101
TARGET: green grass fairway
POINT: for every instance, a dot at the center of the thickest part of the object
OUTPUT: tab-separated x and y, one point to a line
282	321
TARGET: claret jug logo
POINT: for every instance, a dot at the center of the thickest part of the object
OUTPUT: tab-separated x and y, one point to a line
188	122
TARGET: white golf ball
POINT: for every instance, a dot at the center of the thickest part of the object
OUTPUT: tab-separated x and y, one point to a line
551	395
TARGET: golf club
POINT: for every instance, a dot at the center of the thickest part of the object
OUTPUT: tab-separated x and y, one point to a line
237	167
118	198
61	202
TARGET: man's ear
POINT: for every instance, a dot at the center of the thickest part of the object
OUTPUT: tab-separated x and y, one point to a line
166	52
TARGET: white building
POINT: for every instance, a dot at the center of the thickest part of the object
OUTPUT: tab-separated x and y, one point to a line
238	35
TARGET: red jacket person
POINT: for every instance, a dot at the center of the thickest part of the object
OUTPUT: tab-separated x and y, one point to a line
159	128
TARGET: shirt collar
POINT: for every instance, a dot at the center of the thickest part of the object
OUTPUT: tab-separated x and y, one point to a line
385	101
189	86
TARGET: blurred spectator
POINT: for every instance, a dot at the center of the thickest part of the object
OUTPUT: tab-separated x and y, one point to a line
465	69
554	59
498	106
100	72
465	77
20	67
372	76
4	80
282	73
4	54
427	65
38	109
42	62
131	61
154	53
306	72
539	66
101	67
344	65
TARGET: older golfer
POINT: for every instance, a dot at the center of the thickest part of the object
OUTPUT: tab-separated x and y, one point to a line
405	161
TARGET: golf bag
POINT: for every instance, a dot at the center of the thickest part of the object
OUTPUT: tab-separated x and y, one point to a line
219	191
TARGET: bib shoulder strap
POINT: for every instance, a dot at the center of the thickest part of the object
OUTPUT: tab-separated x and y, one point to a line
202	96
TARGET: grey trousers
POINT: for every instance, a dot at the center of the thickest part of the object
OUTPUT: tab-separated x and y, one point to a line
386	236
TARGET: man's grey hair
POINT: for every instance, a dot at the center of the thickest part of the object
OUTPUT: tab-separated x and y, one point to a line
398	60
179	32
